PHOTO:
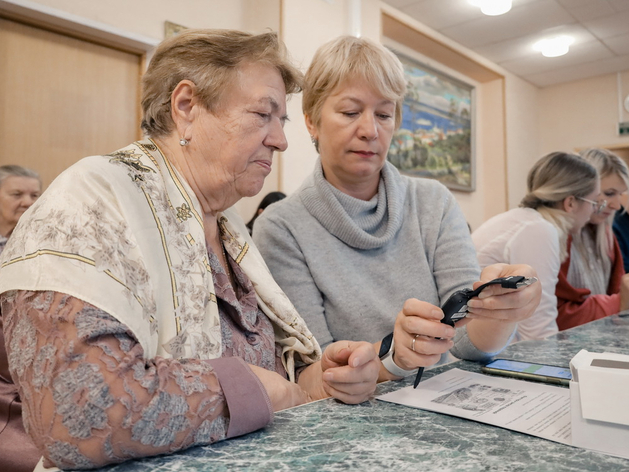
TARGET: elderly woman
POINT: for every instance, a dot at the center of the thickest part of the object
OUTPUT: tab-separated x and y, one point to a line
140	319
592	281
362	250
19	188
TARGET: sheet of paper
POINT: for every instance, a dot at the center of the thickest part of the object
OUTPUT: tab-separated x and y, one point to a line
533	408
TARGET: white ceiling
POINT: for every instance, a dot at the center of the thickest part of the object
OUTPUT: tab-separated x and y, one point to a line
600	29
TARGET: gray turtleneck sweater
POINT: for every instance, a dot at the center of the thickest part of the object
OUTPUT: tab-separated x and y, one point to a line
349	265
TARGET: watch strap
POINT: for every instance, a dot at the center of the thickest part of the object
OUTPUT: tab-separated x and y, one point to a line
387	348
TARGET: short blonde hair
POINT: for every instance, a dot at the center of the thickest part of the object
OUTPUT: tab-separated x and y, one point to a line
211	59
553	178
346	58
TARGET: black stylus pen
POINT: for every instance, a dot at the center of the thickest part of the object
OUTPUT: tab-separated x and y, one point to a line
418	377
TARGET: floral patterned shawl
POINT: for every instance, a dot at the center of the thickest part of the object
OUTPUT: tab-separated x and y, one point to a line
124	232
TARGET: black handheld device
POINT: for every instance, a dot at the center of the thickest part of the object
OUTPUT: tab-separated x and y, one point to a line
455	308
529	371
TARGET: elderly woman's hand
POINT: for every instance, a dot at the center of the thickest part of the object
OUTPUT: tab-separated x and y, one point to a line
419	336
494	314
347	371
282	393
350	371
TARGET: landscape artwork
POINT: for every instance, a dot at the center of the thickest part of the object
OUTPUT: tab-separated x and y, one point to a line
435	139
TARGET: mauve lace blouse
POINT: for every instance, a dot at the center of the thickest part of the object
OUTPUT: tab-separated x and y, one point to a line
85	384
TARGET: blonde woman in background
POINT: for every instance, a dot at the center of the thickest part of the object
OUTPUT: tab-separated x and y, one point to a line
562	192
592	281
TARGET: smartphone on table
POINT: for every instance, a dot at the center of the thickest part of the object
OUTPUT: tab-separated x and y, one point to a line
529	371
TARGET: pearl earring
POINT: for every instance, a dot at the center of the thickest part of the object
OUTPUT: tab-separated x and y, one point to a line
184	142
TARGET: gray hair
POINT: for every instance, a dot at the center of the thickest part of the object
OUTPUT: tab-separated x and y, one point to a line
17	171
211	59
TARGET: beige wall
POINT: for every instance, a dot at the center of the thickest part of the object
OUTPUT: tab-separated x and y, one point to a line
522	142
584	113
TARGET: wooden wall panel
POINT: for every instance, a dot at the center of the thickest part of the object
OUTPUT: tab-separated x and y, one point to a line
62	98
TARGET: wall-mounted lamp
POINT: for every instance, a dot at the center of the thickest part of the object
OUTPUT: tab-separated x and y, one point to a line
553	47
492	7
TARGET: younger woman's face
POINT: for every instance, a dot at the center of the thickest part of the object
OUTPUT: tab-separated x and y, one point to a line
355	130
612	190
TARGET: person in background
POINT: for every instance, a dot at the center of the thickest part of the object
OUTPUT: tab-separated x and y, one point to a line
592	282
562	192
363	251
140	318
269	198
19	188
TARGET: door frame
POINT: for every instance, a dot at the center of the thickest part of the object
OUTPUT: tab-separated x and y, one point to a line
42	16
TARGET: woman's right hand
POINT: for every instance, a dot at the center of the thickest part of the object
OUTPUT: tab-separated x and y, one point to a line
420	321
282	393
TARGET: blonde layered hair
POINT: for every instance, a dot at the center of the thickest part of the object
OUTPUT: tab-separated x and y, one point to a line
606	163
211	59
551	180
347	58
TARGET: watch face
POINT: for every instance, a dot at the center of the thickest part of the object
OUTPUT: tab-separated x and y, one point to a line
385	345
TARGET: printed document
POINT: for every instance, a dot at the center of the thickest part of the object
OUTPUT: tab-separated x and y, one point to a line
533	408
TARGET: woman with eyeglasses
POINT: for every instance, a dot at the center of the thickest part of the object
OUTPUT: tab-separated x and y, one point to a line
561	189
592	282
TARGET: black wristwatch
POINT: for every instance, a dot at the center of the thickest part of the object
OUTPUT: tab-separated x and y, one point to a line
386	356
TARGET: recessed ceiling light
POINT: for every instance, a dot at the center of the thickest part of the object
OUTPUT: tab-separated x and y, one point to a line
492	7
554	47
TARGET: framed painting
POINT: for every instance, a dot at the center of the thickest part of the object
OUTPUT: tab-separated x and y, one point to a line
436	137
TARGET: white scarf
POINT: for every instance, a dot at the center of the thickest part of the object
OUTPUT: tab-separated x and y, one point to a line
124	232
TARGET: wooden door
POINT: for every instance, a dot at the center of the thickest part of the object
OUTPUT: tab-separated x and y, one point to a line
62	98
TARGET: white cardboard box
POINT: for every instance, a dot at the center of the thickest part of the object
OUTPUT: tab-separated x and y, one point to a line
599	395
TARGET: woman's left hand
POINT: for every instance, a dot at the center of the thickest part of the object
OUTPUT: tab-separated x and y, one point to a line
494	314
350	371
510	305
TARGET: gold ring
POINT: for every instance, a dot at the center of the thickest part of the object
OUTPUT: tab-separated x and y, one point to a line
413	343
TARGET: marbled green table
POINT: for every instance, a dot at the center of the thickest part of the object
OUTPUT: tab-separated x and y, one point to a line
380	436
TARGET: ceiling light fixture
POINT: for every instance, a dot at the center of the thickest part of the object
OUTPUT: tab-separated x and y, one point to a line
492	7
554	47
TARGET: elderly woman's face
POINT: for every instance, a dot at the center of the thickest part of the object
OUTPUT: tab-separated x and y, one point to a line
231	151
16	195
354	133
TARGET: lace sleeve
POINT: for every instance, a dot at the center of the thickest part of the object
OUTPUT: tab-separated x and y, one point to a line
90	397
